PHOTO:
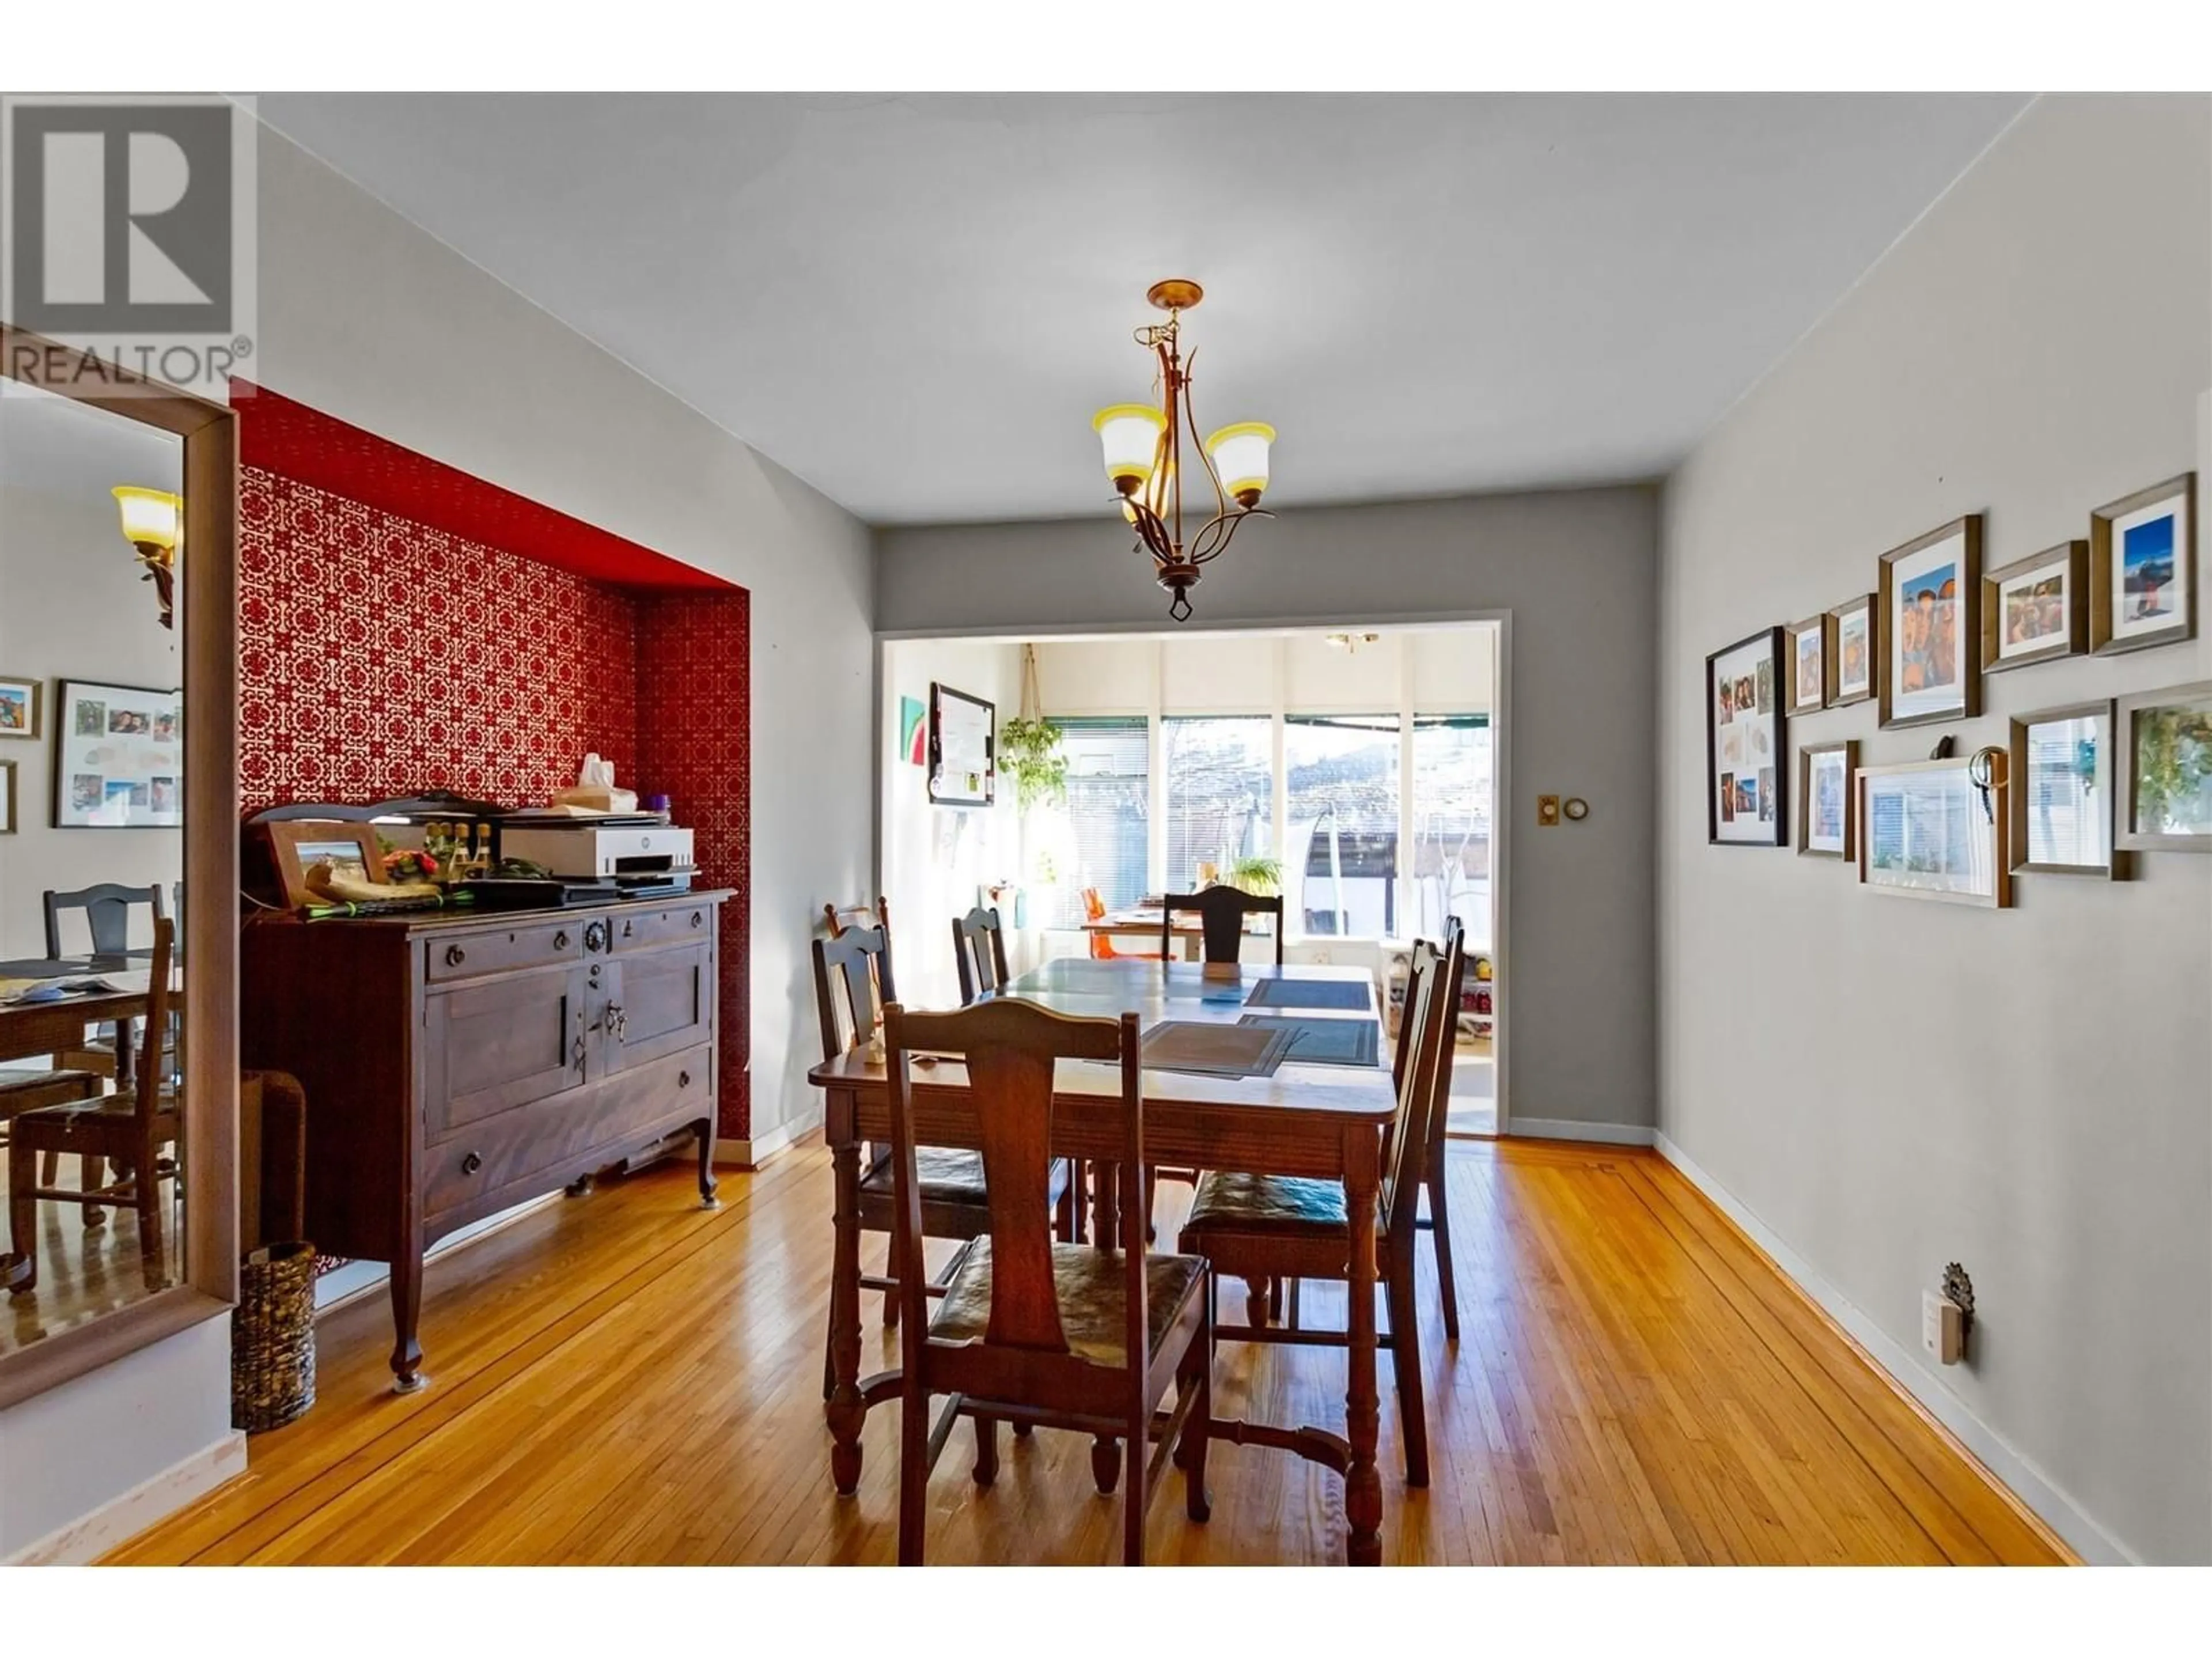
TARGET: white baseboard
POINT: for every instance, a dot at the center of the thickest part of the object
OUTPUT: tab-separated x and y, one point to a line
751	1154
2032	1488
1571	1128
91	1537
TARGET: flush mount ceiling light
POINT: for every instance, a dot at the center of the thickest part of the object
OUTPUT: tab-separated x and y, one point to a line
1349	642
154	524
1144	458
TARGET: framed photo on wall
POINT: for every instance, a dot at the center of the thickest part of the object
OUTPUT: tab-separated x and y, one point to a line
1931	590
1807	657
1824	799
2062	792
2162	760
963	748
118	757
1746	771
19	706
8	807
2143	567
1854	641
1936	829
2036	608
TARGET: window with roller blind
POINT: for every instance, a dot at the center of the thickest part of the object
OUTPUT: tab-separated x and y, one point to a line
1220	795
1101	835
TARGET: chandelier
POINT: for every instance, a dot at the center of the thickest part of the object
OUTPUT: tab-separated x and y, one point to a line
1144	458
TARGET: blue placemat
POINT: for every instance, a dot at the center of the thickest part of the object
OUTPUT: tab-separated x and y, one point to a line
1308	994
1324	1041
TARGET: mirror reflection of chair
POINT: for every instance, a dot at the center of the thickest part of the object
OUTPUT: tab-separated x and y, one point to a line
1221	912
128	1130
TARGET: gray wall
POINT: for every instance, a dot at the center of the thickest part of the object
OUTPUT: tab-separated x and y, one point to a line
1575	569
1889	1085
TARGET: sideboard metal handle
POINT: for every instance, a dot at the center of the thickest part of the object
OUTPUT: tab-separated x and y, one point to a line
455	956
683	1079
560	940
471	1163
698	918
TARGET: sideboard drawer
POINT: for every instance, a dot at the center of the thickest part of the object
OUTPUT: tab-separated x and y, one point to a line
541	945
646	930
516	1144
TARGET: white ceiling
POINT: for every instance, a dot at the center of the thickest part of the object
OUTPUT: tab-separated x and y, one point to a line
52	444
916	302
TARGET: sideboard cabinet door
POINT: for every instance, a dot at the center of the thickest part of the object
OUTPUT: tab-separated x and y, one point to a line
490	1048
663	1002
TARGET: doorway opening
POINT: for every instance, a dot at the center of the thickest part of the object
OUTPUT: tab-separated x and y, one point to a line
1359	771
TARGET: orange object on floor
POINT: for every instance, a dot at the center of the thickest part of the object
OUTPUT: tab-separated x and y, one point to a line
1102	944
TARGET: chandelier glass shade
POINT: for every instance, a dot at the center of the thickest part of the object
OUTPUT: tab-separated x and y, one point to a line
1143	447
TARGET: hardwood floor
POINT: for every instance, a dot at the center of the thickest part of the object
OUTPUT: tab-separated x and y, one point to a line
626	1378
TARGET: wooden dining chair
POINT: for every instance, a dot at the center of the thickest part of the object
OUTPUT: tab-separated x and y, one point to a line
853	983
1221	913
837	918
107	910
1259	1228
1053	1336
1437	1222
128	1129
978	946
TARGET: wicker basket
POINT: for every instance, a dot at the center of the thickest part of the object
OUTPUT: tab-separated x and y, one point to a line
272	1338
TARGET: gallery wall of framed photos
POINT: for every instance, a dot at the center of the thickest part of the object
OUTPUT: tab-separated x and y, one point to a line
2078	789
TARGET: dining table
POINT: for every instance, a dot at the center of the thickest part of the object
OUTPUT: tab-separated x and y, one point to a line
1319	1117
58	1026
1141	922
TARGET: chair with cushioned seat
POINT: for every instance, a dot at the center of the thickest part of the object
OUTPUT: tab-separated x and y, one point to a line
1080	1337
1263	1228
853	981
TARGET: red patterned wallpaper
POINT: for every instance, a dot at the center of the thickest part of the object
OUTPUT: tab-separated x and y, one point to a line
378	657
693	718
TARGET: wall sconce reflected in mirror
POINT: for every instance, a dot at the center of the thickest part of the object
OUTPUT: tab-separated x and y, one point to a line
154	524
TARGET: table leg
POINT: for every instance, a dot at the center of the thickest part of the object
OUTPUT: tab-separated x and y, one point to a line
1363	1484
846	1412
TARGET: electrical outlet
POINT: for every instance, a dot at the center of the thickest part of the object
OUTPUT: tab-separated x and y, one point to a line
1547	811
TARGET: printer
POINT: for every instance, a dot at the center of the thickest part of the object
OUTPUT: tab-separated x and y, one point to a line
642	853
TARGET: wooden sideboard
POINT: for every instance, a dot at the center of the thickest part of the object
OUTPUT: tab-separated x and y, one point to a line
455	1068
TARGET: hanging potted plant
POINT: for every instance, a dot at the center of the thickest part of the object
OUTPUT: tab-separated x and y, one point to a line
1028	746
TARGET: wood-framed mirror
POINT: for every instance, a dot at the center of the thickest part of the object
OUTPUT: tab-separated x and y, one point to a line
127	761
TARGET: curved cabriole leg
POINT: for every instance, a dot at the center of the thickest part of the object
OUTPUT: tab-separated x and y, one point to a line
704	1129
406	1312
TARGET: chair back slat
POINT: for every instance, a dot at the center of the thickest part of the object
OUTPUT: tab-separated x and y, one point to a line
979	947
1010	1047
852	984
1452	988
1221	913
106	909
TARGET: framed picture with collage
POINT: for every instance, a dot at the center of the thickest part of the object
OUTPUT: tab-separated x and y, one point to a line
1746	769
118	757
